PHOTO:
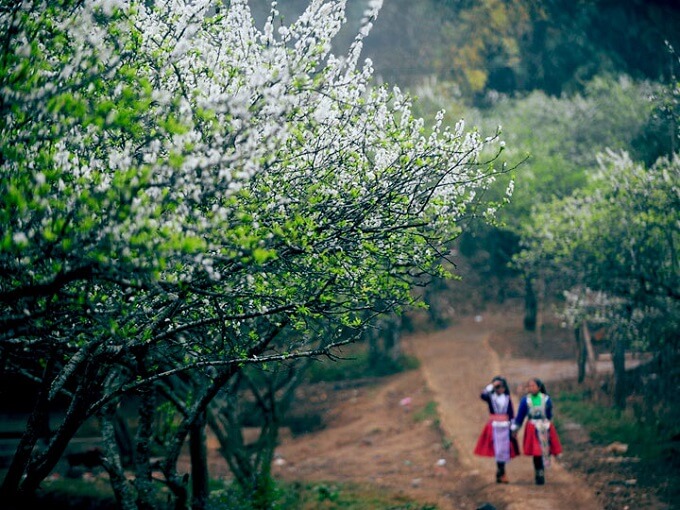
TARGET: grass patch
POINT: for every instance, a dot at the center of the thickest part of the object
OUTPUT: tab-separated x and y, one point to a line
76	494
653	441
607	424
97	495
303	423
428	412
323	496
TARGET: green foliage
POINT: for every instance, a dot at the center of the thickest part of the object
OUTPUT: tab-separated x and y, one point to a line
321	495
511	47
651	441
606	424
649	438
76	494
185	195
555	142
79	494
557	47
620	238
429	412
562	137
447	443
485	52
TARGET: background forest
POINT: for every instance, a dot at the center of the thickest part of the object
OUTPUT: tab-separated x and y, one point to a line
587	97
587	92
160	297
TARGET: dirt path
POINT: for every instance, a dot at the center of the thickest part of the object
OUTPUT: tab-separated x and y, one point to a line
371	437
457	363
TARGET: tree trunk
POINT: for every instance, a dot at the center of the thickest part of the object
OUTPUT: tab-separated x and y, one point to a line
122	490
263	490
10	487
580	354
29	439
44	462
393	337
123	440
142	453
372	335
199	463
530	304
431	296
383	341
541	289
590	352
619	361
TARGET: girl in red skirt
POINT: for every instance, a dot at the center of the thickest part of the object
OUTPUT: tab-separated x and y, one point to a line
495	439
540	437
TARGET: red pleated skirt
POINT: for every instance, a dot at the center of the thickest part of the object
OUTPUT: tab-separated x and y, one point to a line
532	444
484	446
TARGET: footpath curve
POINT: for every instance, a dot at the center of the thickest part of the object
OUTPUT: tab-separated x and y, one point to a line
457	363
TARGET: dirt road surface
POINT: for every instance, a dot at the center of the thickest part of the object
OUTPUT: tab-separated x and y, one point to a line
381	435
457	363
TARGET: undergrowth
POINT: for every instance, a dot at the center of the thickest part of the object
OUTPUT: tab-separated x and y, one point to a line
321	496
651	443
81	494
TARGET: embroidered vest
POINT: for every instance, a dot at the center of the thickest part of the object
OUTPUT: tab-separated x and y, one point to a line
537	411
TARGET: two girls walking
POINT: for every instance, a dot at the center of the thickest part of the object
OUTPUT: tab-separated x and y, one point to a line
498	438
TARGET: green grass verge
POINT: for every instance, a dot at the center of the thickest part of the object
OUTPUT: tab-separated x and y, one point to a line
322	496
429	412
652	441
76	494
606	424
80	494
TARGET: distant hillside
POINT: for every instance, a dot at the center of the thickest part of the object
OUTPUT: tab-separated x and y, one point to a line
511	45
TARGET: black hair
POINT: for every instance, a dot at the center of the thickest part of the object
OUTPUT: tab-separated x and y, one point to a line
506	388
539	383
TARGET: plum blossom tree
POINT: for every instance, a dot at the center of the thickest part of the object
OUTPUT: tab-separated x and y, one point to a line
184	195
615	244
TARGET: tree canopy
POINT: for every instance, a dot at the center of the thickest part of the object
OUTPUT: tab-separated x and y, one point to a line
184	194
615	246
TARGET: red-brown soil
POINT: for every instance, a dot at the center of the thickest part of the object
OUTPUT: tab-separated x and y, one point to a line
413	433
370	435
